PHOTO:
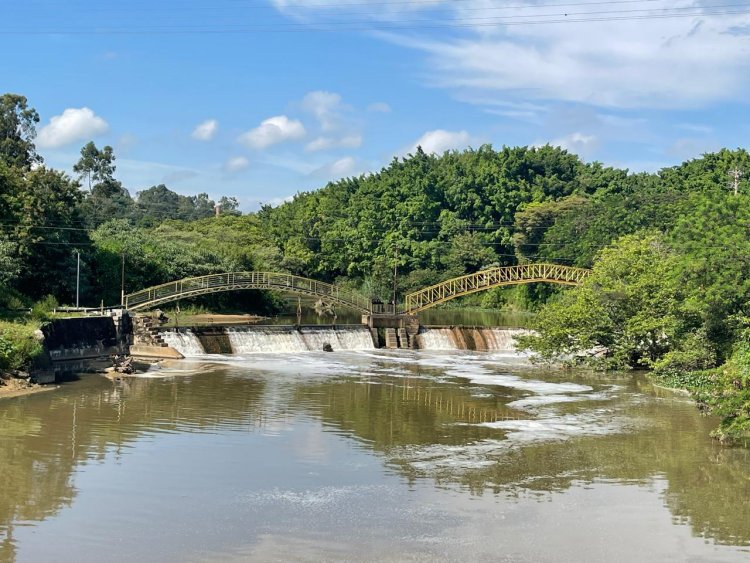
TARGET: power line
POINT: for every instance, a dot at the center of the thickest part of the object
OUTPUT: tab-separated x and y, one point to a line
364	25
323	9
318	8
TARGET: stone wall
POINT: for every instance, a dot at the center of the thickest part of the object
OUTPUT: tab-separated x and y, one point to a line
82	343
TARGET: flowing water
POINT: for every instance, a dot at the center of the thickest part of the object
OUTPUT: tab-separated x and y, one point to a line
248	340
366	455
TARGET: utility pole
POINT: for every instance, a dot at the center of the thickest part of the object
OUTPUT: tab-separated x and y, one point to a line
122	281
395	277
78	277
735	174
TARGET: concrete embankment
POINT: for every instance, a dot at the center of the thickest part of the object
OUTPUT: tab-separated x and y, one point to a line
81	344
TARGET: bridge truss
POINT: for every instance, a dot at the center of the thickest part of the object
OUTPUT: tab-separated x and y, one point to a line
487	279
216	283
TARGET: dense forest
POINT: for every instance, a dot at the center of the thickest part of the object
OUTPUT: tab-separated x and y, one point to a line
670	251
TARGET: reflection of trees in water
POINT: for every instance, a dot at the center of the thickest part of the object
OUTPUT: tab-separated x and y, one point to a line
44	438
707	486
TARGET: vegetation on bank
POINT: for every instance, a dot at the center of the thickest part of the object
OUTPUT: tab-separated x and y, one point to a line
669	250
19	345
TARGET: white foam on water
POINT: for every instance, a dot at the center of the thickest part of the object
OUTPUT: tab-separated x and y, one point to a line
518	434
558	428
483	376
322	498
537	401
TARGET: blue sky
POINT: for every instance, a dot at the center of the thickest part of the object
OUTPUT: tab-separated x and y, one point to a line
260	100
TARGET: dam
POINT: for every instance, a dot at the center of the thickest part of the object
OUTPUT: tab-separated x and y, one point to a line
199	341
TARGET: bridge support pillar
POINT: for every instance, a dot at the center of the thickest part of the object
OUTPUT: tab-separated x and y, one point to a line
381	320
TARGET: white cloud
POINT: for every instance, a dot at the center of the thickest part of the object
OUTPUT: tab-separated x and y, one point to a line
577	143
687	148
272	131
440	140
648	61
125	143
326	107
341	168
139	174
379	107
205	131
327	143
75	124
653	63
235	164
276	201
696	128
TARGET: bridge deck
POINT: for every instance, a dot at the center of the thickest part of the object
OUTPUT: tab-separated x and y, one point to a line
415	302
487	279
215	283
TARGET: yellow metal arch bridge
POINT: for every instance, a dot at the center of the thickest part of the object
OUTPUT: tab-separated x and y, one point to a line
487	279
415	302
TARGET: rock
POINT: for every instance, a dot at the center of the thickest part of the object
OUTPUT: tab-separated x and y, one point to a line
123	364
327	347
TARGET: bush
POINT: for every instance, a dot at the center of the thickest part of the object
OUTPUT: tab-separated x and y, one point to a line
41	310
18	345
686	366
728	395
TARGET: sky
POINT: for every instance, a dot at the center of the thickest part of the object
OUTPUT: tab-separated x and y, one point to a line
263	99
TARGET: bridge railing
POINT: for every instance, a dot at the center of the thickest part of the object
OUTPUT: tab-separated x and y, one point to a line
243	280
486	279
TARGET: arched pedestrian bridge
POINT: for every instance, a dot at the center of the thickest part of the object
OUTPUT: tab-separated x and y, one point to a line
487	279
414	302
232	281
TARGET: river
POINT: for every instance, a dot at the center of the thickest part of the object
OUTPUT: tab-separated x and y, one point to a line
367	455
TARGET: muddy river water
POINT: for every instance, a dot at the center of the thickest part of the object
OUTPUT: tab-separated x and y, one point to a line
368	455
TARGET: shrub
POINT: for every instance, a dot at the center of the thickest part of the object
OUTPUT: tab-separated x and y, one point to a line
41	310
18	345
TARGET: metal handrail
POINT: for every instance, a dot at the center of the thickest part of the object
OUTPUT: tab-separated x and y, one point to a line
414	302
214	283
494	277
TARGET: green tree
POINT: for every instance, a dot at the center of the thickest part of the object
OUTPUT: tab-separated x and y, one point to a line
628	309
95	165
48	230
17	131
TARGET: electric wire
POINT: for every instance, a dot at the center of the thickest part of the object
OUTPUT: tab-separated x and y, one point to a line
365	25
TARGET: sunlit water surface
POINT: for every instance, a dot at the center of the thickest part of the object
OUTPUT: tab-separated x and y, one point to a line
367	456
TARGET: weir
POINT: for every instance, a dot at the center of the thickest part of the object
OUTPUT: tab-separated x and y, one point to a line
201	341
494	339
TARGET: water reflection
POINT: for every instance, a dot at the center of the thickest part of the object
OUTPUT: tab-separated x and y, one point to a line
43	438
454	434
462	421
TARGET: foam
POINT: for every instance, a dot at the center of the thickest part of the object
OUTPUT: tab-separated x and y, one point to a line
482	376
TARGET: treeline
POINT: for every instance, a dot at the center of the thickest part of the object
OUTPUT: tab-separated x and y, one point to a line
432	217
48	219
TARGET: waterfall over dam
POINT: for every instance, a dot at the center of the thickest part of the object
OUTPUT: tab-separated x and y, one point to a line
491	339
246	340
199	341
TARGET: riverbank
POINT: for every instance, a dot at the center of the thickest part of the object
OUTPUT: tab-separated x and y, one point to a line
723	391
15	387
